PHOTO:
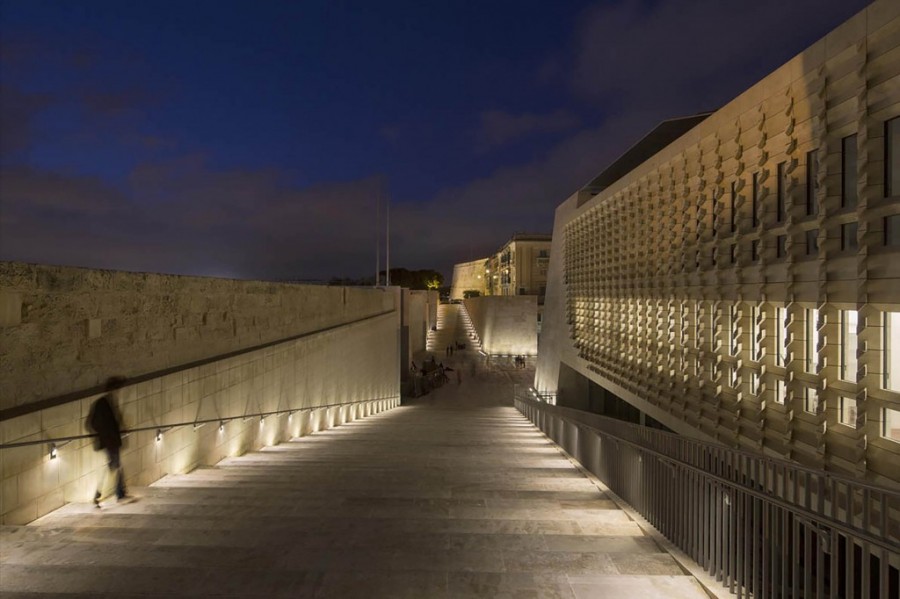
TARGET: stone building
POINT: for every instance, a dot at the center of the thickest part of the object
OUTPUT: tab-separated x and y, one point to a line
739	281
520	266
468	276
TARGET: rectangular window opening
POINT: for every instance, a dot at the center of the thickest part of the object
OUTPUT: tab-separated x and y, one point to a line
812	185
890	424
812	340
780	193
891	353
847	411
811	401
849	320
892	157
849	242
848	172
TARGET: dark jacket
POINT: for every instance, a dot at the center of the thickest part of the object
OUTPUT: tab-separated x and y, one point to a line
104	421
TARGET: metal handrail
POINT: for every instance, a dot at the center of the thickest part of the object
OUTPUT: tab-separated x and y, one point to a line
166	427
838	539
749	490
707	445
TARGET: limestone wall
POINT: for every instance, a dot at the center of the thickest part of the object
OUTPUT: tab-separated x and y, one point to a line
350	356
468	275
506	325
65	329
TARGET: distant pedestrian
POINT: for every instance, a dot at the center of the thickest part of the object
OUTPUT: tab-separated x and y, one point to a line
105	422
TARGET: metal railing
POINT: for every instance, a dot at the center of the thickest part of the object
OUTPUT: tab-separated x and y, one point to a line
762	527
163	428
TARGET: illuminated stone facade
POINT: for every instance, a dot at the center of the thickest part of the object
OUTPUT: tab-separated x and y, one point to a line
744	281
520	266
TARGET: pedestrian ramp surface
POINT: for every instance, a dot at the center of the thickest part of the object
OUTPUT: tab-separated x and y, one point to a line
456	495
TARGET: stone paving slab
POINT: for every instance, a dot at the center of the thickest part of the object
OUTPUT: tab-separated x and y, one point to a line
455	495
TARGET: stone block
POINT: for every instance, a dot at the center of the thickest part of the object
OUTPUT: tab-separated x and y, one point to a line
10	308
93	328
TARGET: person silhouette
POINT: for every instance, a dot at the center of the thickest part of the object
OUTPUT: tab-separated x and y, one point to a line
105	422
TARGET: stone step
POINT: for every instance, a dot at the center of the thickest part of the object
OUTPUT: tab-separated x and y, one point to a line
456	497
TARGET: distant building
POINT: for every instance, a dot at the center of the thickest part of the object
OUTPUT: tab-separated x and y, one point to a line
520	266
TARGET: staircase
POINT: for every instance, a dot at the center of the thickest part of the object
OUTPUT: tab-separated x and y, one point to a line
457	497
466	321
447	319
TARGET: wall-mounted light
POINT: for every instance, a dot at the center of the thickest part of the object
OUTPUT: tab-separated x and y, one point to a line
221	426
158	435
54	451
290	416
262	419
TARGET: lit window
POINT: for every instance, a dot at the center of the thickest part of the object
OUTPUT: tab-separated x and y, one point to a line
892	351
780	336
780	391
732	325
892	157
847	415
892	230
781	246
812	206
811	401
755	201
890	424
780	194
812	340
734	377
812	242
754	334
848	172
848	344
754	383
848	237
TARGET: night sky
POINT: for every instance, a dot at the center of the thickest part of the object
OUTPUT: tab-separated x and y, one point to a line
249	139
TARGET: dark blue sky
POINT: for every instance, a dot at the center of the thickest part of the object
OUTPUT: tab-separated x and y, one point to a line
249	139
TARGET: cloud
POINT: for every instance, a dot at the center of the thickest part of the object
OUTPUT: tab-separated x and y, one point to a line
692	56
499	127
17	113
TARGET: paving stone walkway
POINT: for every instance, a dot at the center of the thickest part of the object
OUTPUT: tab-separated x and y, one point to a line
455	495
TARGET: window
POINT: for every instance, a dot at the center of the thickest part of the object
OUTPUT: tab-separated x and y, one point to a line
781	246
812	340
780	336
754	250
890	424
892	230
811	401
892	157
695	325
812	185
699	218
780	194
712	256
715	219
849	321
812	242
543	253
754	383
731	346
891	353
780	391
734	377
755	202
754	334
733	206
849	242
847	411
733	253
848	172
